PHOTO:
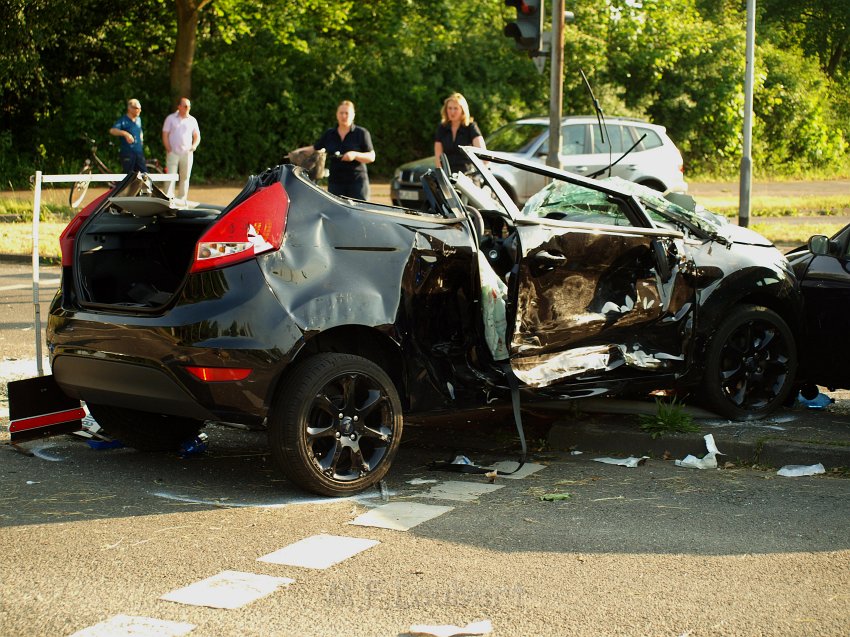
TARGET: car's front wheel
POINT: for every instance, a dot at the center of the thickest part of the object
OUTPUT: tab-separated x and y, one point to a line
336	424
145	431
750	364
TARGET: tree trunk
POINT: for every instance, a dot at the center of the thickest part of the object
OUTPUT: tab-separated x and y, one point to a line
837	55
188	12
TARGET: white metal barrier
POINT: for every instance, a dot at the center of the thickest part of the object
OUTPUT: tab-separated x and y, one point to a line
39	179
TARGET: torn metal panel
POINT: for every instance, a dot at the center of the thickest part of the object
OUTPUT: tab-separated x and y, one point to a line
540	371
588	299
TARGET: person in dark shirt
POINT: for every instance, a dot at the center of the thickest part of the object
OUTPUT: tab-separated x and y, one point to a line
457	128
129	129
349	149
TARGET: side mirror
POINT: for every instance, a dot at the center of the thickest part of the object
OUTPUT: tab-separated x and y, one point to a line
819	245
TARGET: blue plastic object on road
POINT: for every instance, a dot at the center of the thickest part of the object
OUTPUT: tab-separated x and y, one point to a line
821	401
105	444
195	446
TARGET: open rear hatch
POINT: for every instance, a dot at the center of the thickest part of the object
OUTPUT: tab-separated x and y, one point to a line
135	251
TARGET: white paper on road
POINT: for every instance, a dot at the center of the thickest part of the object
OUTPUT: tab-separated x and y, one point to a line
132	626
798	470
400	516
507	466
708	461
631	462
319	551
483	627
459	490
228	589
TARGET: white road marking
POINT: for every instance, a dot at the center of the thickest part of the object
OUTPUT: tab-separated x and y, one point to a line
460	491
136	626
319	551
228	589
509	465
400	516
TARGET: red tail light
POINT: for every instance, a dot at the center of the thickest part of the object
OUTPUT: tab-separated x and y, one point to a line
219	374
251	228
69	234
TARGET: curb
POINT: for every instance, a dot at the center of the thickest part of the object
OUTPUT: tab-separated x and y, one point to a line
741	445
27	258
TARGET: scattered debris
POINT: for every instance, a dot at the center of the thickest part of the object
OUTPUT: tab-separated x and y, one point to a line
630	462
482	627
555	497
708	461
576	452
417	481
195	446
798	470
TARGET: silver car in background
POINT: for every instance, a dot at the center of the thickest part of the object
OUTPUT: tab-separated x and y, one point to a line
653	161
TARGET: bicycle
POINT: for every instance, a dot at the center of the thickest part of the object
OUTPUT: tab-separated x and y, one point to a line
80	188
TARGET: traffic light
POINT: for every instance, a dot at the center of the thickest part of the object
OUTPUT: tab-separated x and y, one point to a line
527	30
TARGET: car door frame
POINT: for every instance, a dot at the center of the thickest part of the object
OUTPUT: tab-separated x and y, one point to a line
655	320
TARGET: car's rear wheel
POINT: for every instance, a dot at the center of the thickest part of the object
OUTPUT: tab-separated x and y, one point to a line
143	430
336	424
750	364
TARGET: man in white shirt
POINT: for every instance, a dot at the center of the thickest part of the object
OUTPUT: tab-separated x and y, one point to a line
180	136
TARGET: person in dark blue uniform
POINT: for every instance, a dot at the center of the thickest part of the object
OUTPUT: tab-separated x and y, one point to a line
129	129
457	128
349	149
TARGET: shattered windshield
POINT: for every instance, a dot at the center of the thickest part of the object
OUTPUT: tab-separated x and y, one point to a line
666	213
576	203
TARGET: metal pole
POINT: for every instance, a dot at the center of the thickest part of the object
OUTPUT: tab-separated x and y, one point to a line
556	84
744	204
36	213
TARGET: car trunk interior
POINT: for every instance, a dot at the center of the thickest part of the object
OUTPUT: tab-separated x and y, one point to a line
137	251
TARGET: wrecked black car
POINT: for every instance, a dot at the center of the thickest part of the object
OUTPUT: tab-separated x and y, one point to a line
823	268
325	320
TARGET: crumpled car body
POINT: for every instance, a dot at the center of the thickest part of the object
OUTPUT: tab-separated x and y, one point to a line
327	320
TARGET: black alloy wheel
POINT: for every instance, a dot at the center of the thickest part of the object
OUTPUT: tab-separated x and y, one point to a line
751	363
336	424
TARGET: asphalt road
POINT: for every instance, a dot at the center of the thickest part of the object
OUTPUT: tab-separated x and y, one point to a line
656	550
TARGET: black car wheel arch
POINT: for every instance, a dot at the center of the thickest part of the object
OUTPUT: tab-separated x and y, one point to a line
750	363
336	424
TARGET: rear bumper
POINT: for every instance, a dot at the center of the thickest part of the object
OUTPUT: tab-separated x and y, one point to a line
224	319
129	385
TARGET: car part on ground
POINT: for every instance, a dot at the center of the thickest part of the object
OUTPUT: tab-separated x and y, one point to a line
326	320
